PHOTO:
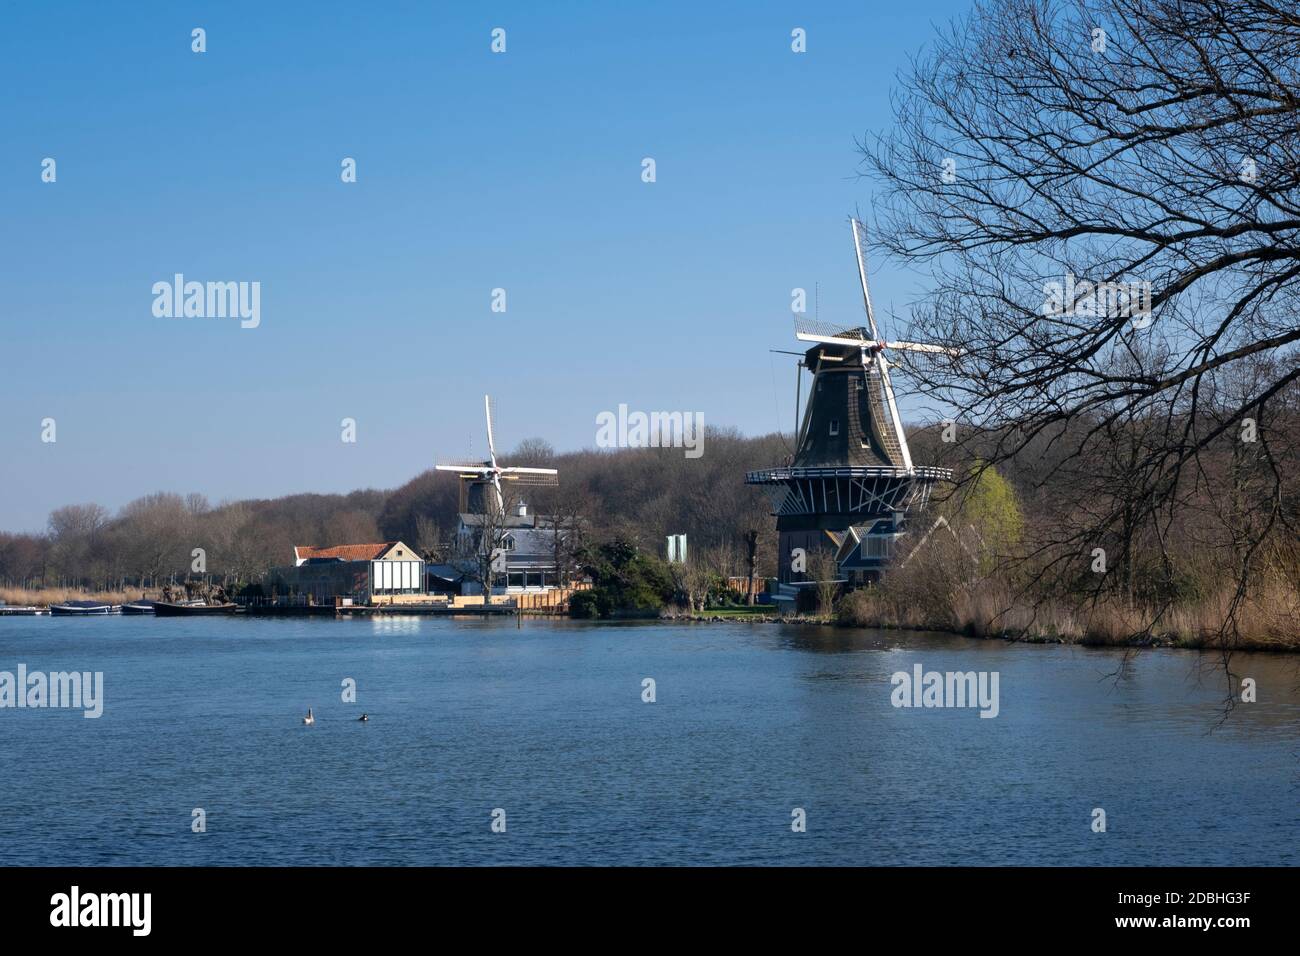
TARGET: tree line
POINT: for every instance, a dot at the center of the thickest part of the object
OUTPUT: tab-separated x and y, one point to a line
635	495
1019	530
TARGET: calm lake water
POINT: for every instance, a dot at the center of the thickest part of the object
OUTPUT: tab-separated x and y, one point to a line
547	723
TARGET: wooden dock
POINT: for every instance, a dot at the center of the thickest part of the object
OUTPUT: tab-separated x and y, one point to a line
369	610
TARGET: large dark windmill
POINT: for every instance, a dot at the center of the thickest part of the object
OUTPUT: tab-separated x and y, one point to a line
852	481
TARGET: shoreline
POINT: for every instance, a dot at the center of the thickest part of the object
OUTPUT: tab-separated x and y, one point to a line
1142	643
741	615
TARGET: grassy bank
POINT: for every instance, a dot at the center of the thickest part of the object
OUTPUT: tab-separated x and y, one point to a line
740	613
1268	619
44	597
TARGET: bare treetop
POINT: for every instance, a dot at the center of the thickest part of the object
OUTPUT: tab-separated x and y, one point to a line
1106	194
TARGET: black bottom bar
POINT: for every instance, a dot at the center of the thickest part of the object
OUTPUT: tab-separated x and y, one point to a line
366	905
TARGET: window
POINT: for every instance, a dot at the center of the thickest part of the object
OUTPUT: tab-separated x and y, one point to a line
508	543
835	426
880	545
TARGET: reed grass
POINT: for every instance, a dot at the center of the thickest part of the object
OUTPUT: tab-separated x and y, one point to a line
43	597
1267	619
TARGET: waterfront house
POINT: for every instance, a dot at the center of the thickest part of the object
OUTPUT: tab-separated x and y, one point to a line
363	572
527	551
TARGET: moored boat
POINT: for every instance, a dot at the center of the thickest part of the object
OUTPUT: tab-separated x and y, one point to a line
10	610
84	607
139	607
174	609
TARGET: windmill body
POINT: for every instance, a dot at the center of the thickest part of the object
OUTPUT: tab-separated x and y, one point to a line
501	546
852	481
480	481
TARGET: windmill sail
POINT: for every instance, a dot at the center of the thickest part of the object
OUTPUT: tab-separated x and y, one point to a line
899	443
477	477
859	249
492	452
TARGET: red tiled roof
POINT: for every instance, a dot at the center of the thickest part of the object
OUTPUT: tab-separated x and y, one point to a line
346	552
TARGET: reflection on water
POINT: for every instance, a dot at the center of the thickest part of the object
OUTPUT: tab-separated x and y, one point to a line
547	721
394	624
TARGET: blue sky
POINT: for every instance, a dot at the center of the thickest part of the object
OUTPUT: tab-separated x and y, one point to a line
475	171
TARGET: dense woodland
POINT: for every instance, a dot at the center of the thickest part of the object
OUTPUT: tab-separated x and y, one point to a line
1177	577
638	495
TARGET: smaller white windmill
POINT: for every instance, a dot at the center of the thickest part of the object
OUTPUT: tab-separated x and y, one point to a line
489	472
870	344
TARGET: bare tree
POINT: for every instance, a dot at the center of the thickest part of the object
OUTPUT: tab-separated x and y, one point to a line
22	559
1107	193
751	560
481	549
429	540
74	531
533	452
567	507
824	572
155	533
693	579
350	527
230	532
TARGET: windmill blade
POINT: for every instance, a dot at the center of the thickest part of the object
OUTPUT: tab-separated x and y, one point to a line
539	481
922	347
531	476
492	448
484	471
811	330
827	339
549	481
895	420
478	468
859	244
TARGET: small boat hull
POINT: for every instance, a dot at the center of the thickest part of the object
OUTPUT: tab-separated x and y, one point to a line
139	607
9	611
82	609
164	609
